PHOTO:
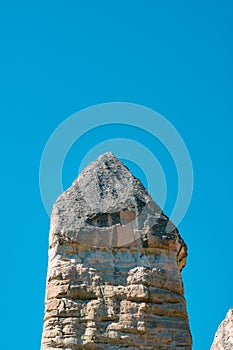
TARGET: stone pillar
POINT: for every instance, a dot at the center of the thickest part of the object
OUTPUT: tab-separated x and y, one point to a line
114	278
223	339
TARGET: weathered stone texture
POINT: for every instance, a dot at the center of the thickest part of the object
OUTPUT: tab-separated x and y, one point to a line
114	277
223	339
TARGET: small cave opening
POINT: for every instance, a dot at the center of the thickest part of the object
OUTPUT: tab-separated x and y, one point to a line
122	217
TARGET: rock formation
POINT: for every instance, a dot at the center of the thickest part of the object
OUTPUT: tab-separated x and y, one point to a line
223	339
114	278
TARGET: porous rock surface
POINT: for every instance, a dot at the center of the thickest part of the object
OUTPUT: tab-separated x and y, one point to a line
223	339
114	278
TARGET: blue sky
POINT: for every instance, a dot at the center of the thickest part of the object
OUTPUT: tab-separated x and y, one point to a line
59	57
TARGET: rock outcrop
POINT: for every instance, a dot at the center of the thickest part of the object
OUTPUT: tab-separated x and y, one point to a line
114	278
223	339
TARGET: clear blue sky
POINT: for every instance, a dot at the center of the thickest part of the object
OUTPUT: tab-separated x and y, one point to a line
58	57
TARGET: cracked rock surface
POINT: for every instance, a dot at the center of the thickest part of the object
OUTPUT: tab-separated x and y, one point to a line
114	272
223	339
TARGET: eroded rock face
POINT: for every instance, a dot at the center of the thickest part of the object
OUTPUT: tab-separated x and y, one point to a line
114	277
223	339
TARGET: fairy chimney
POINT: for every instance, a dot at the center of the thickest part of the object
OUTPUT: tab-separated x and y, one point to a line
224	336
114	271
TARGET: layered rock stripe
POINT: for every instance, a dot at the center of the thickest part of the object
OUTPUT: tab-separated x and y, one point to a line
114	271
